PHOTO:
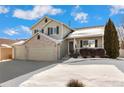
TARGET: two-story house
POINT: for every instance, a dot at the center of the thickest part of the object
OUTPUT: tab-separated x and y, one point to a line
47	42
52	40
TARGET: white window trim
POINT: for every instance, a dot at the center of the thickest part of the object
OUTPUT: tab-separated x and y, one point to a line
88	43
54	32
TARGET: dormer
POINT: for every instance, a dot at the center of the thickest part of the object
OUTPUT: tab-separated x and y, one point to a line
51	27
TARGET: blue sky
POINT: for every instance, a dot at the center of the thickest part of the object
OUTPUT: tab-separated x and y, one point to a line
15	21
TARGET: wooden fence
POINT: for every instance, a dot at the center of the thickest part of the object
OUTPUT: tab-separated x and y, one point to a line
5	53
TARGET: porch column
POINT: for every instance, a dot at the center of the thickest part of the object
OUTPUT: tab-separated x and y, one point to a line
68	47
74	45
102	41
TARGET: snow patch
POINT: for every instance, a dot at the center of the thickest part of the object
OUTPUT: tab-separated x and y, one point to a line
87	32
19	43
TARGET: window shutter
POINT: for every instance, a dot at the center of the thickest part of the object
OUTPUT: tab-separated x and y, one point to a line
48	31
80	43
96	43
42	30
57	31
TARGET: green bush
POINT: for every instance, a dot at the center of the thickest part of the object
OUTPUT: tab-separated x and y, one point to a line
75	83
74	54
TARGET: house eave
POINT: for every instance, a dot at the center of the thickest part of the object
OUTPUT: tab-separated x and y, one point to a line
100	35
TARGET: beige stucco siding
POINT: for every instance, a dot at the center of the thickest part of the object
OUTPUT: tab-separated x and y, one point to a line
121	52
40	24
66	31
19	52
63	49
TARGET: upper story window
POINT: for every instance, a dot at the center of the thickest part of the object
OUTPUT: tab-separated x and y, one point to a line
57	30
38	37
42	31
46	20
53	30
35	31
50	30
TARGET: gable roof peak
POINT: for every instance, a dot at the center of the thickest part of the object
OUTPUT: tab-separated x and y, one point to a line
52	20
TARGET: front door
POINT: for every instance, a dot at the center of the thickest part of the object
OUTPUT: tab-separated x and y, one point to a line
71	48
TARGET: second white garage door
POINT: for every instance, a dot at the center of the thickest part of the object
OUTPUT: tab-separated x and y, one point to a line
42	54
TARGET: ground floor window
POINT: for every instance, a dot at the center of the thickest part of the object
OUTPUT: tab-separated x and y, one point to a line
88	43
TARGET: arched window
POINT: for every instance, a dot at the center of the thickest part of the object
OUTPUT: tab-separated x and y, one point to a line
38	37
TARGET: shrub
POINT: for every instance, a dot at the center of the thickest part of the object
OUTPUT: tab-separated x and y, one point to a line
75	83
100	52
74	54
85	52
92	52
71	53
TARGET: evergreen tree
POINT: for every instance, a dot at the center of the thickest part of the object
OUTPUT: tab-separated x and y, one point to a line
111	42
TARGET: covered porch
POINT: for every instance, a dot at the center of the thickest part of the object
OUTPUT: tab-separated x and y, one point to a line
89	37
84	42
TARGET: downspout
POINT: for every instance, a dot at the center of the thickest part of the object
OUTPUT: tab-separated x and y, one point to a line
26	53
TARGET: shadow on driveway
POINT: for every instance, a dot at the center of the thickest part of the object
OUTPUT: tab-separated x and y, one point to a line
13	69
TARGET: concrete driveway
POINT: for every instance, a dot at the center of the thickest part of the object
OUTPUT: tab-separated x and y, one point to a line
96	72
13	69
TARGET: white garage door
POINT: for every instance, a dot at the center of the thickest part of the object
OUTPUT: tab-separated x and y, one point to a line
42	54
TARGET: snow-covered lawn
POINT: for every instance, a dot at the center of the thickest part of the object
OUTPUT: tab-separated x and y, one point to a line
92	72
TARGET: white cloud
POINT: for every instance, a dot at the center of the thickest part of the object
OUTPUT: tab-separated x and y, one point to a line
116	9
36	12
26	29
3	10
17	30
11	32
79	15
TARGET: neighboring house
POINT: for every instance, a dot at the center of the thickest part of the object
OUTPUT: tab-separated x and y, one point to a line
6	42
6	49
52	40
